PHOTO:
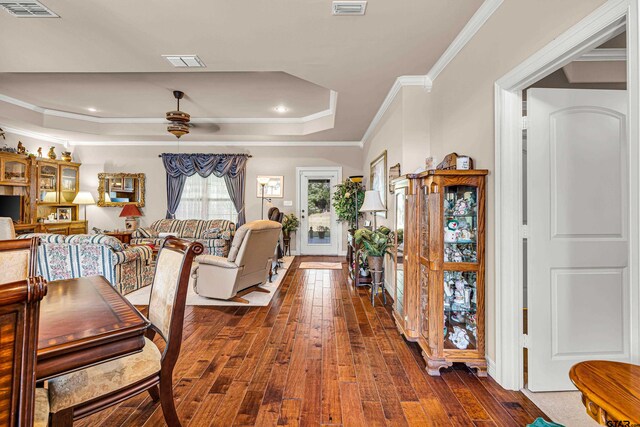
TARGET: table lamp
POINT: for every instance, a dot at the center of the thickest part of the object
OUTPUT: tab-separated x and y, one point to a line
372	203
84	198
263	181
131	212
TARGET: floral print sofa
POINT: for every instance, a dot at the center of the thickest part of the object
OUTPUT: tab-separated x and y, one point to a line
81	255
214	234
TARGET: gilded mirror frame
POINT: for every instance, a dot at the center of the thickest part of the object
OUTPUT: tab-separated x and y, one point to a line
102	177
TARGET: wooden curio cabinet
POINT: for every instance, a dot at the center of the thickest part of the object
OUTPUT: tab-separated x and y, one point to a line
440	301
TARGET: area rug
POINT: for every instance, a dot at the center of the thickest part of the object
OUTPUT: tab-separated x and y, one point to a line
321	265
256	299
563	407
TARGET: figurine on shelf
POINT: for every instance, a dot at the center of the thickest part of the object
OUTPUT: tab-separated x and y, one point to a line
467	297
40	152
52	153
457	255
451	231
66	156
21	149
471	325
460	285
459	338
462	207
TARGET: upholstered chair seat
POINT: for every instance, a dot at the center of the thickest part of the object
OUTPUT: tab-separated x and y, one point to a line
41	408
7	231
247	266
82	386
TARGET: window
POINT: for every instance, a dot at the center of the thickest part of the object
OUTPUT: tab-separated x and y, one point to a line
206	198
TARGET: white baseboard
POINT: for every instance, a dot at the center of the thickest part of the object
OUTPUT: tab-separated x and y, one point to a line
491	368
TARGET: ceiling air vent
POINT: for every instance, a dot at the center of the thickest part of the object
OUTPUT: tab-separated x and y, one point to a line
27	9
343	8
185	61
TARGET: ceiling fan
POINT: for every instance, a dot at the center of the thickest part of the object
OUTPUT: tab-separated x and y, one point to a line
181	121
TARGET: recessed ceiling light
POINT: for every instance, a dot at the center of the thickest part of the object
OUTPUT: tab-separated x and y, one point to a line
281	109
93	110
184	61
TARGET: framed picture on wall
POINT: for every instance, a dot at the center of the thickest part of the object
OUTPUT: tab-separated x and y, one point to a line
378	179
273	188
63	214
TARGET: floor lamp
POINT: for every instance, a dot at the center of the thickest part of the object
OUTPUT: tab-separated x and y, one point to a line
372	203
263	181
84	198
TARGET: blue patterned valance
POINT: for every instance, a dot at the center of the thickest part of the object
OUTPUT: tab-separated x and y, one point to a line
204	164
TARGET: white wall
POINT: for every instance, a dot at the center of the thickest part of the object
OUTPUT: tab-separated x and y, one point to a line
265	161
31	144
403	132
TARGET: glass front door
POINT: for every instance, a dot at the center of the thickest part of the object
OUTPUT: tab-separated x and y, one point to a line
318	233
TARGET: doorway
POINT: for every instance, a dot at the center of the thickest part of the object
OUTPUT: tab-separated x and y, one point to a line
513	250
318	233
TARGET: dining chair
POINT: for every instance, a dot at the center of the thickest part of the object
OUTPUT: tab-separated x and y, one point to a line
21	404
79	394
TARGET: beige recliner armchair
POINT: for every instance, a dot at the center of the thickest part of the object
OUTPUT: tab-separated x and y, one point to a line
247	265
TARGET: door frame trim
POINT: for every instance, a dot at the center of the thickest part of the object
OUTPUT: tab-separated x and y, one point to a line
605	21
299	170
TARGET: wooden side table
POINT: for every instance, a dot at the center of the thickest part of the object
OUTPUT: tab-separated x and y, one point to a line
124	236
610	391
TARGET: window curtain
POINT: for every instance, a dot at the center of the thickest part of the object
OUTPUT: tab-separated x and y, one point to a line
230	166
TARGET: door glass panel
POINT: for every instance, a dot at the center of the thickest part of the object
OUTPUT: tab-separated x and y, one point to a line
400	215
48	183
460	305
319	211
15	172
460	224
69	185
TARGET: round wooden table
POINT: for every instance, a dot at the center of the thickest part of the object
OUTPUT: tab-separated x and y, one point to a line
610	391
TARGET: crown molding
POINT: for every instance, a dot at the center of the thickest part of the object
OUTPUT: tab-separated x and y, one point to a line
476	22
604	54
34	135
400	82
333	97
218	143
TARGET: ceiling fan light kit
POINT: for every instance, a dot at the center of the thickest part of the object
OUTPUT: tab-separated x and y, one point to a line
178	119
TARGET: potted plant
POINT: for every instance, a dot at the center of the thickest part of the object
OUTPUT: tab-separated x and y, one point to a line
290	223
375	244
322	231
347	200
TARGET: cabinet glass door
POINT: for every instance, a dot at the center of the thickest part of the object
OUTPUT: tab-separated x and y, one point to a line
400	216
68	184
48	184
460	307
15	171
460	224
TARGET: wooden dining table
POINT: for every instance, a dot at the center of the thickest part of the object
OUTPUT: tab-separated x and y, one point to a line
610	391
83	322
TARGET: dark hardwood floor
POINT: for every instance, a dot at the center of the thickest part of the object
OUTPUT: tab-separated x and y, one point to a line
319	354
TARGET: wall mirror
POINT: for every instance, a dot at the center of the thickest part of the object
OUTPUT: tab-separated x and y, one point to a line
119	189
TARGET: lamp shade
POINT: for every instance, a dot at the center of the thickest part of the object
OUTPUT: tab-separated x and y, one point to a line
372	202
50	197
84	198
130	210
263	180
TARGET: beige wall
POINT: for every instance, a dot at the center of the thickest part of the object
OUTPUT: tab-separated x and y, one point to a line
462	96
265	161
404	132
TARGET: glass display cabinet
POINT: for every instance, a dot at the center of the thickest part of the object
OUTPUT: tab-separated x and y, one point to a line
47	182
447	270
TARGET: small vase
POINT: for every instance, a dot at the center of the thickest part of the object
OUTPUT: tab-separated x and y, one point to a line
66	156
52	153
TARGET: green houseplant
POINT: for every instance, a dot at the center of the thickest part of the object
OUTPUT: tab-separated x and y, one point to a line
347	200
290	223
375	244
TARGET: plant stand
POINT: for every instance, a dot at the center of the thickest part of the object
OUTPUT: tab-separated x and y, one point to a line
286	243
377	282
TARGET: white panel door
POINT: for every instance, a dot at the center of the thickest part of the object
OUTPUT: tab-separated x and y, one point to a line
318	232
578	220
